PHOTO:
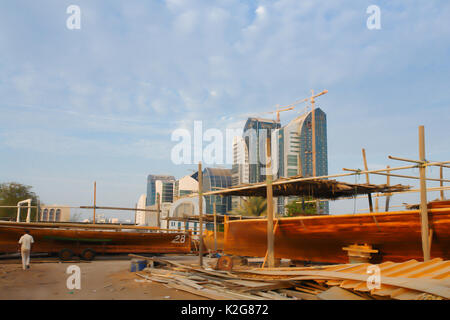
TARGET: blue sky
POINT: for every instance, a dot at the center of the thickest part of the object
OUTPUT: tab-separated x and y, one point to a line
100	103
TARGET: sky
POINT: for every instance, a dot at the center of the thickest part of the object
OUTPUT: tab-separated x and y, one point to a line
100	103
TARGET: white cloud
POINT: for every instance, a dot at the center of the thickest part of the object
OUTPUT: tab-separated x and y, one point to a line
137	70
260	11
186	22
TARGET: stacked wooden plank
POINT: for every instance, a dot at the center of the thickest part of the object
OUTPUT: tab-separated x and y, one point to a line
411	280
215	285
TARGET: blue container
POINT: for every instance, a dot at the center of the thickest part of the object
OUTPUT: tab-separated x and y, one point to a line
138	265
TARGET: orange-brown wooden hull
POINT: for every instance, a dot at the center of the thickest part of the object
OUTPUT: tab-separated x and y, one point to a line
52	240
397	236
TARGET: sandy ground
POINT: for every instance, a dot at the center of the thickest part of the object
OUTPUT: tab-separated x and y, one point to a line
103	279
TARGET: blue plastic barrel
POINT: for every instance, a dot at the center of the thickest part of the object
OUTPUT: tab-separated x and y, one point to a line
138	265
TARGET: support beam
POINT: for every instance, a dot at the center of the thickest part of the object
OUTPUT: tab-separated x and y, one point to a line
417	161
158	211
37	210
404	159
441	164
441	175
388	196
369	196
397	175
112	208
200	212
95	195
423	197
434	189
267	252
215	227
270	236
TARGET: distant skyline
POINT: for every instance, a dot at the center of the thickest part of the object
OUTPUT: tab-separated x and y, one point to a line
100	103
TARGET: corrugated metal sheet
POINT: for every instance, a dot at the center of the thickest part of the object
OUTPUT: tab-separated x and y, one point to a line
410	280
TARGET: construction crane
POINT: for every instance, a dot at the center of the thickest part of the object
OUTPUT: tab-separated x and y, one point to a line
280	110
292	105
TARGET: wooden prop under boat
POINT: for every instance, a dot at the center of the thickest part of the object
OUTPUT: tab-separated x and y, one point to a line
52	238
396	236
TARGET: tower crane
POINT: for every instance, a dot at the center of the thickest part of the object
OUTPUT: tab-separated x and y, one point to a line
280	110
292	105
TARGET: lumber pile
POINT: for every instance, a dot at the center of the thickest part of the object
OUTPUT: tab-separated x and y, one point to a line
210	283
411	280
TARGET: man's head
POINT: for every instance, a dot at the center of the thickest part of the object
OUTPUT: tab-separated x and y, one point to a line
27	231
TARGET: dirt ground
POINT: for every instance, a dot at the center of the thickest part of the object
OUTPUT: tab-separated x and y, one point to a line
100	280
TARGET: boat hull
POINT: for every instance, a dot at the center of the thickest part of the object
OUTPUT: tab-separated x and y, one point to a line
53	240
396	235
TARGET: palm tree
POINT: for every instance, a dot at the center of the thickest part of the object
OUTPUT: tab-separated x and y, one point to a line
252	206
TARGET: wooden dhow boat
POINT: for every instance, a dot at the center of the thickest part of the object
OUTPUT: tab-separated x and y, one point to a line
384	236
87	240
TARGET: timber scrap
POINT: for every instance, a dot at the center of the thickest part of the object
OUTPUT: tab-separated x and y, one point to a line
411	280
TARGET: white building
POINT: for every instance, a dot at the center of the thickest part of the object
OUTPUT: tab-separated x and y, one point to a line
185	186
183	208
240	167
54	213
146	218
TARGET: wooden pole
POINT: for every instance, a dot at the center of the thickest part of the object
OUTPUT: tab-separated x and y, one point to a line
135	213
267	252
369	196
200	213
113	208
270	235
215	227
158	211
423	197
37	210
95	194
313	138
397	175
388	196
441	176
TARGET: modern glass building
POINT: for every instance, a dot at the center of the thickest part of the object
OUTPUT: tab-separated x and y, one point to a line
213	179
167	186
256	131
295	154
166	191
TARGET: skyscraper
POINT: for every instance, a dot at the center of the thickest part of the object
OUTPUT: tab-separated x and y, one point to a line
165	188
240	167
256	130
295	153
